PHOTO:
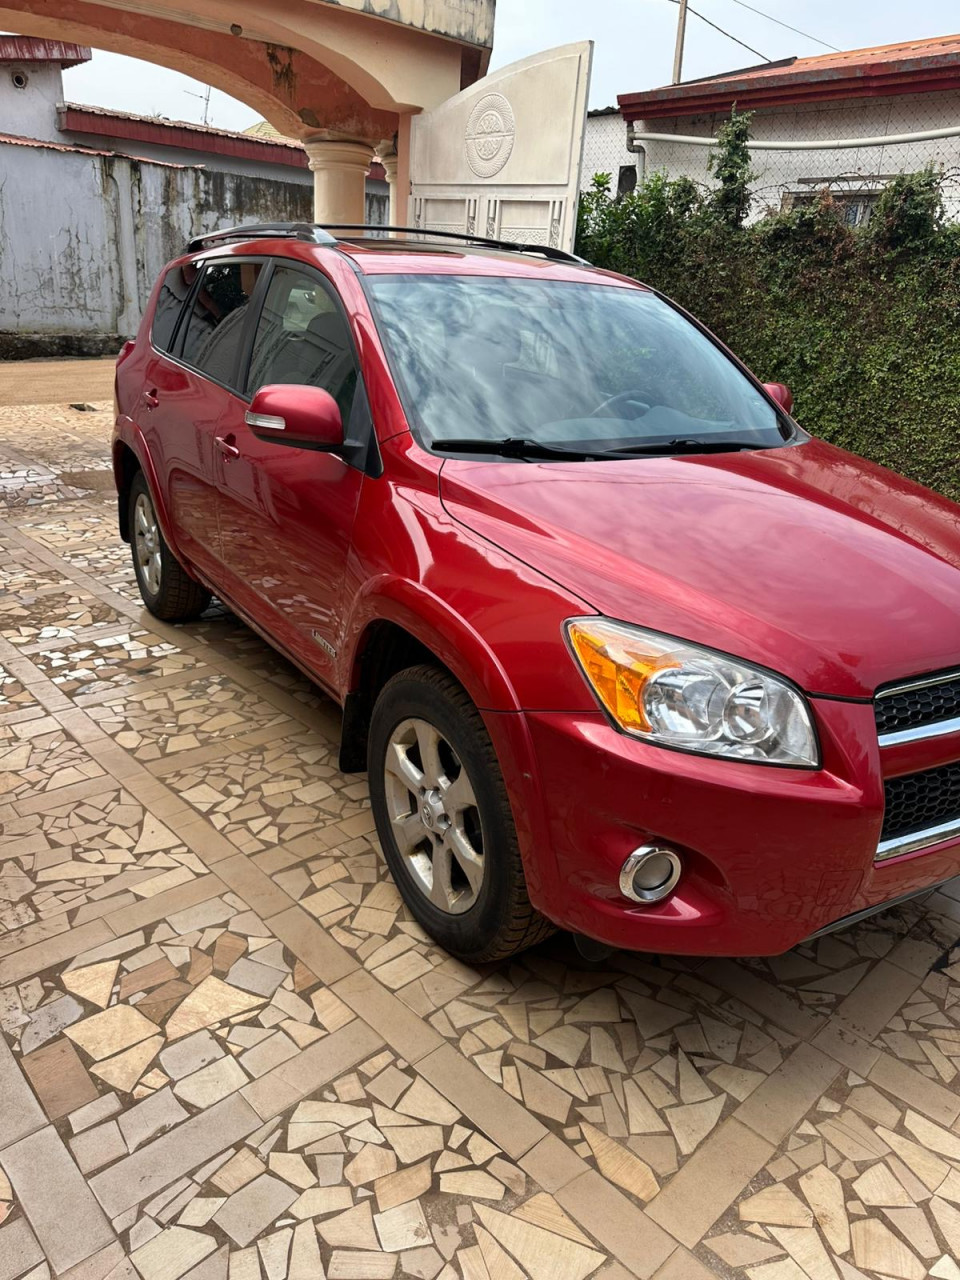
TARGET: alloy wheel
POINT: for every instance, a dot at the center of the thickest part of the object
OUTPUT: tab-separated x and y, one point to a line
146	538
434	816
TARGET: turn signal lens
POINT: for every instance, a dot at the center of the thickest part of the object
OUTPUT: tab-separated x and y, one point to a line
617	670
680	695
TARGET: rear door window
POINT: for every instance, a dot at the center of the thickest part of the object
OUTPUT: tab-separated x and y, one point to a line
213	333
303	338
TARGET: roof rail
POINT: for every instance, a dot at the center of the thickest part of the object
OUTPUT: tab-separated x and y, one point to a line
426	233
263	231
322	234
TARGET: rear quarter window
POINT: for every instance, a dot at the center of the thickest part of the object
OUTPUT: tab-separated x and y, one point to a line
174	291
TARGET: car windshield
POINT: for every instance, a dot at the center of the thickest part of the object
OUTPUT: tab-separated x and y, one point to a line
576	366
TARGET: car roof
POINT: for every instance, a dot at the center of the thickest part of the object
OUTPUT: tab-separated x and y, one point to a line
426	257
408	251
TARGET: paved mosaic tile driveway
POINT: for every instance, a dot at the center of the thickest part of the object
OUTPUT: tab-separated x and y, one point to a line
227	1053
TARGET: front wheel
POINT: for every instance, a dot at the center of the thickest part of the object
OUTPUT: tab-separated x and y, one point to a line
165	586
444	819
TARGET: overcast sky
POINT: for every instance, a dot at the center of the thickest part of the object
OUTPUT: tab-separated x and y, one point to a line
634	46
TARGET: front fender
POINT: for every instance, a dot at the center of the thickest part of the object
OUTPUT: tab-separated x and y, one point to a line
431	621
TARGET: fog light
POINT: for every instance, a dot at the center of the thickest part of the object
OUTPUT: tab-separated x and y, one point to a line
650	874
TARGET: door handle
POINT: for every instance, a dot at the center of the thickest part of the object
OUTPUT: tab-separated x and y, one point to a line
151	399
226	446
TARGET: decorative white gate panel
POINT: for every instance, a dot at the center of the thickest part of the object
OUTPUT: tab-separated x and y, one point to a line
502	159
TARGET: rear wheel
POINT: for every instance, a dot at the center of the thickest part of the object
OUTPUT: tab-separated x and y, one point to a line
165	587
444	819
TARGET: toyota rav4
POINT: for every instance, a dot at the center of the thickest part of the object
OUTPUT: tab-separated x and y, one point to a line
621	647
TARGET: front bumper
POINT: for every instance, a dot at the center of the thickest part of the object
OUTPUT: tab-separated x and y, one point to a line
771	855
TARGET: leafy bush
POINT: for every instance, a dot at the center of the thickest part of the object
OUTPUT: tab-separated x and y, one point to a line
863	324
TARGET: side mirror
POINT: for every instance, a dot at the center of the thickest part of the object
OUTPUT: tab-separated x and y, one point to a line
305	417
780	392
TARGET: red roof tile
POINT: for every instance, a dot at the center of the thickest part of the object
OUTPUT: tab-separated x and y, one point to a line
913	66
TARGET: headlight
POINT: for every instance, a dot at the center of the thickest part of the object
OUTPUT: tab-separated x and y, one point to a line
666	691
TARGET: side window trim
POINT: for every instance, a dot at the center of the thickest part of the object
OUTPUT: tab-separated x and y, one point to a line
257	303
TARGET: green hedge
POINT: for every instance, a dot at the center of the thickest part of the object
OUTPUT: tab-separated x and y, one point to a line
863	325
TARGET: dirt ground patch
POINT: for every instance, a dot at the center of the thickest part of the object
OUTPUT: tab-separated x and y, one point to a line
55	381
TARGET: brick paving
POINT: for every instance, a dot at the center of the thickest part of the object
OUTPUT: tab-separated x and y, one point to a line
228	1053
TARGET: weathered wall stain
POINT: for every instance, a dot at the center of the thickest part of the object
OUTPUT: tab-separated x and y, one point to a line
78	267
470	20
282	70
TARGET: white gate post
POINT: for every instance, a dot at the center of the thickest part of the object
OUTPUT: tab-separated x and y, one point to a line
502	158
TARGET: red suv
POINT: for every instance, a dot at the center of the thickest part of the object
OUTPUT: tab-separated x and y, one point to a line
621	647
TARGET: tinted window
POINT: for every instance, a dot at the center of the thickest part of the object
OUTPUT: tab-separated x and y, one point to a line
303	338
214	331
562	363
174	291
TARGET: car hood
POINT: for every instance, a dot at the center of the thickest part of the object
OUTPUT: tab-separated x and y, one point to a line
815	563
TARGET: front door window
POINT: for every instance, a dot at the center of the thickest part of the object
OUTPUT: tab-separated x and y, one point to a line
303	338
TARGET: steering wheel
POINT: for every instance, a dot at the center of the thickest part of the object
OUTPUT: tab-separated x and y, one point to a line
622	400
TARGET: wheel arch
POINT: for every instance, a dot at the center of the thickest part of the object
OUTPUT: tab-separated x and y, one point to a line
131	456
126	464
403	626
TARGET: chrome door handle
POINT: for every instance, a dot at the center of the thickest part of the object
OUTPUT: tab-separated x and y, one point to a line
227	447
151	399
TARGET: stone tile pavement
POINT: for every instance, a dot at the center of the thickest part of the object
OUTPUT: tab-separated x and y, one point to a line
228	1053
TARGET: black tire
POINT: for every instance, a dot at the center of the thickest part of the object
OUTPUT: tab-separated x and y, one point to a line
178	598
501	921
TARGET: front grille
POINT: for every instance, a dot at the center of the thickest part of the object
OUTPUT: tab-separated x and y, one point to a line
918	801
915	706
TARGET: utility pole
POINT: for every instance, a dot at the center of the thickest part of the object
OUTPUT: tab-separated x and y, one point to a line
681	36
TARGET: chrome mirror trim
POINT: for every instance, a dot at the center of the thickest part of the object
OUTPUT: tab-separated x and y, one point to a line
265	421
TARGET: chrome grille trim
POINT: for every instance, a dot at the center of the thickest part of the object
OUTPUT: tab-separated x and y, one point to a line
938	729
918	733
914	840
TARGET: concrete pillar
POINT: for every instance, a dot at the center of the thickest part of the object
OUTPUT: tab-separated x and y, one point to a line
339	179
403	171
390	161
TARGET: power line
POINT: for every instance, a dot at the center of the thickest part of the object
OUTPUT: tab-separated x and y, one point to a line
796	30
735	39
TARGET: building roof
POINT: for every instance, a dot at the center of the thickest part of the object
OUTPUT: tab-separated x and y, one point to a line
28	49
914	66
42	144
98	121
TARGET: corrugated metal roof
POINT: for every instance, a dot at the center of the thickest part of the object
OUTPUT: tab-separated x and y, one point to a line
912	66
161	122
13	140
870	56
29	49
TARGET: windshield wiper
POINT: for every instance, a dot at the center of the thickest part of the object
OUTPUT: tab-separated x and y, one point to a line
516	447
686	446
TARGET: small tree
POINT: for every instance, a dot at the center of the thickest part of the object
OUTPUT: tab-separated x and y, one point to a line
730	161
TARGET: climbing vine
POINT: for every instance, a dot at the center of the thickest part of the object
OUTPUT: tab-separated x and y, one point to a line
863	323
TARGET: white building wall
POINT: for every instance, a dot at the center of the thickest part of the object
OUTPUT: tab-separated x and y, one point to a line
30	111
605	148
785	172
78	270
